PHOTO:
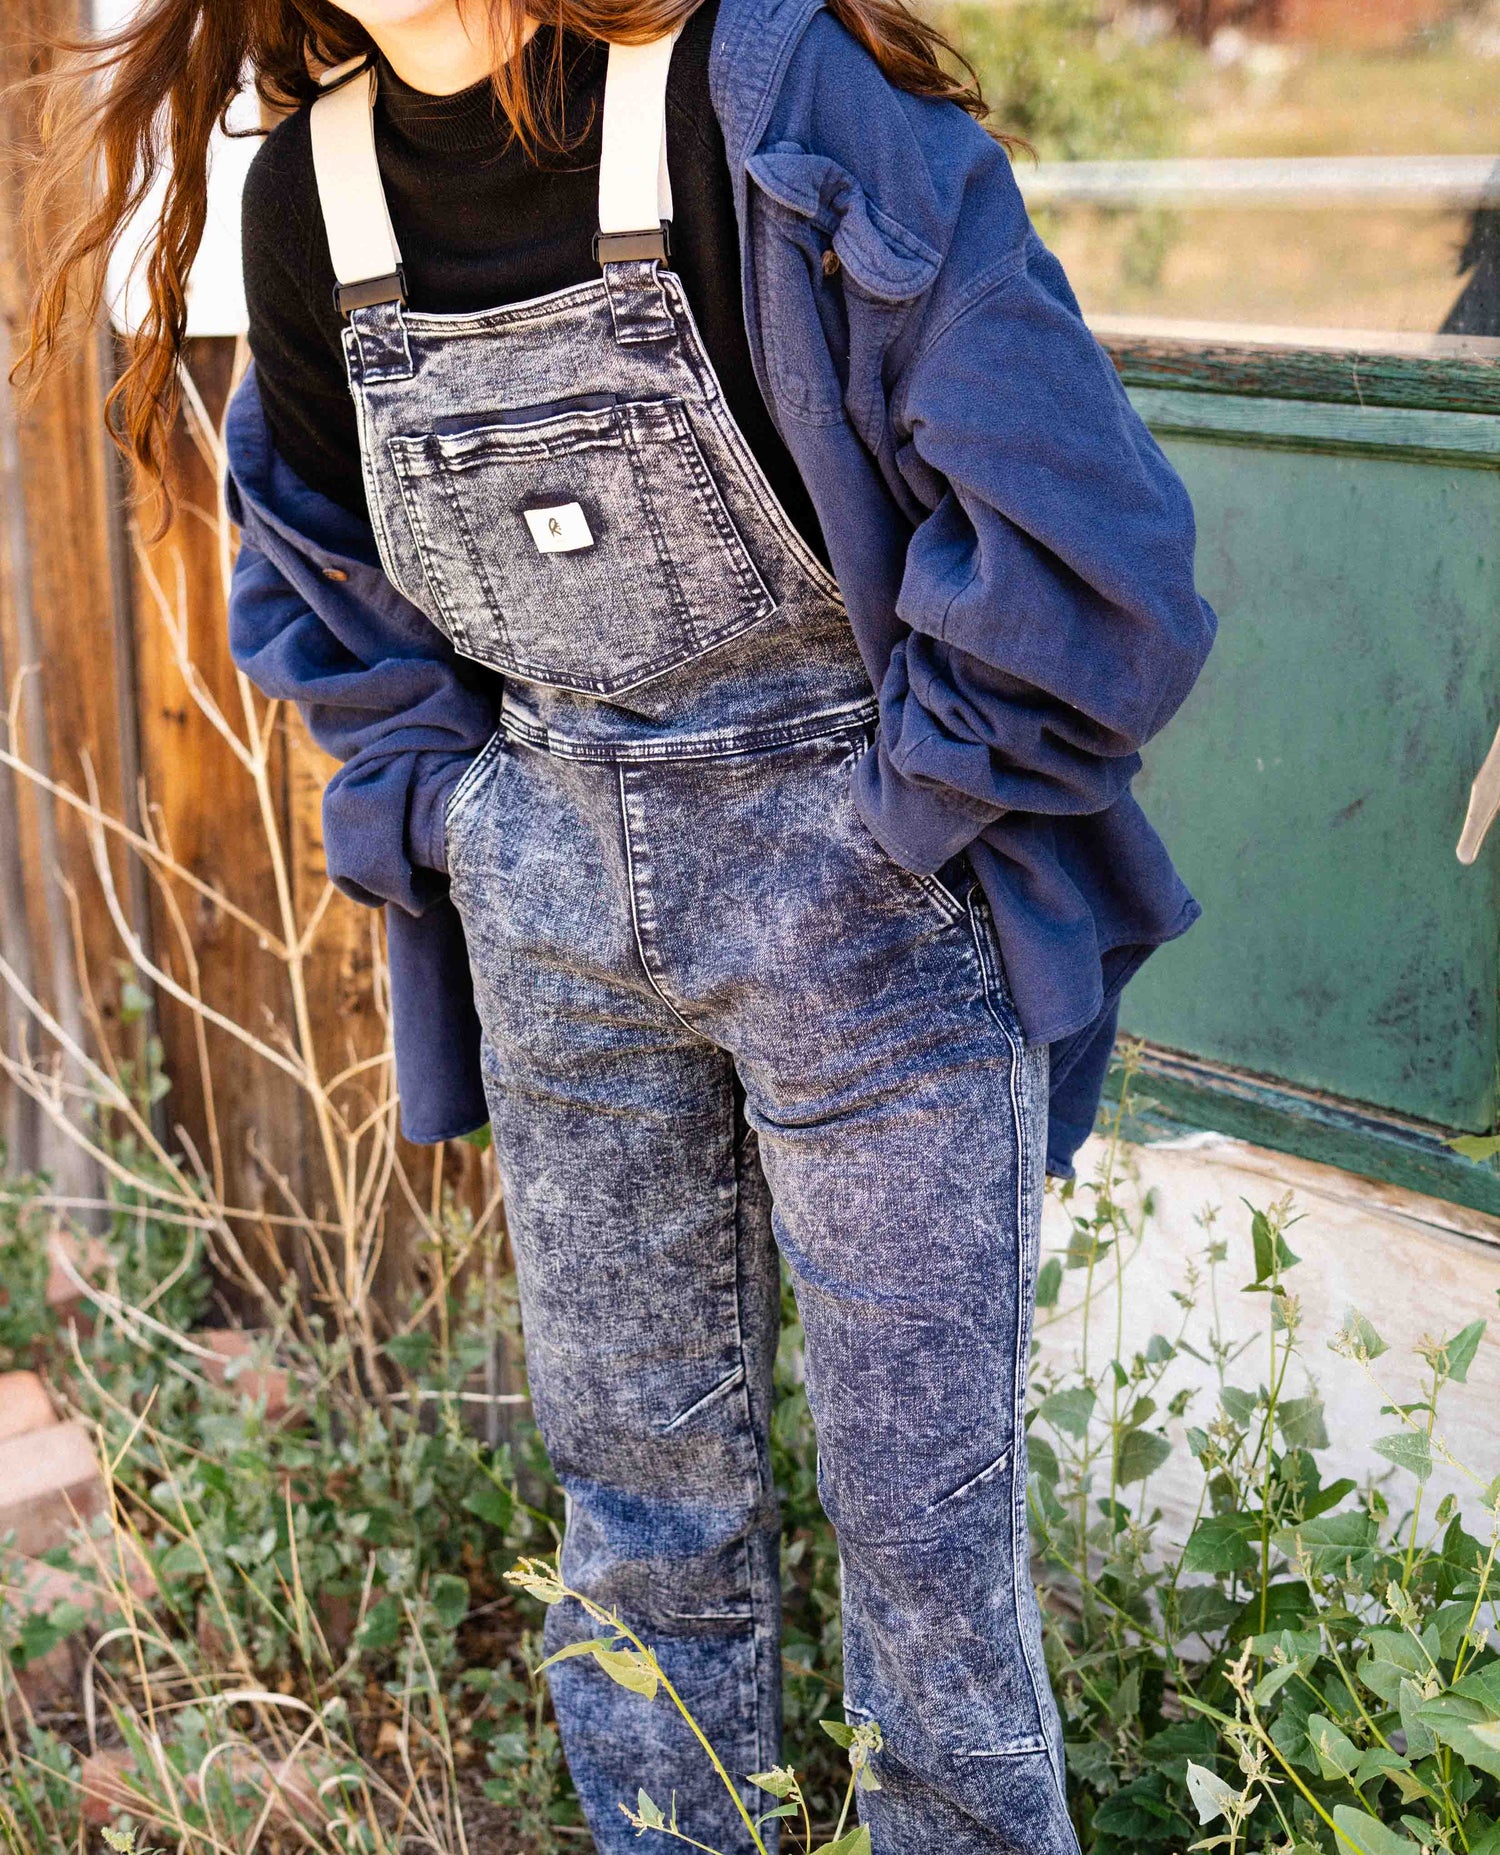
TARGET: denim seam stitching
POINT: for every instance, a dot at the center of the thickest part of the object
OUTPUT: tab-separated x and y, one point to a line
756	481
682	433
553	680
1020	1551
689	341
830	726
365	427
635	917
398	366
757	595
680	608
940	895
635	326
811	569
735	1195
478	322
449	493
491	443
952	912
1020	1535
461	794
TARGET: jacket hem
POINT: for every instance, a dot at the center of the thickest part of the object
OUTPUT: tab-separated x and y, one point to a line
439	1135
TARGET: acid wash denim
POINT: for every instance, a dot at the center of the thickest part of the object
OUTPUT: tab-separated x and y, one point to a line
1014	551
720	1024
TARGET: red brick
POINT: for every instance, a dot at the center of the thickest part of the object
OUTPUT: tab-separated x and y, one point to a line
110	1784
24	1404
107	1780
51	1680
33	1587
105	1561
251	1382
89	1256
49	1482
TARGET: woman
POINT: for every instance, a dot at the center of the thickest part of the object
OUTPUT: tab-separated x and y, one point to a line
678	485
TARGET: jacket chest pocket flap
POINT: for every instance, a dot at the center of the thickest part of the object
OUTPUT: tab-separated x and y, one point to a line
588	549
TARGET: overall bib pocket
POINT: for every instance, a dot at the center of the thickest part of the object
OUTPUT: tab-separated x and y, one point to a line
588	549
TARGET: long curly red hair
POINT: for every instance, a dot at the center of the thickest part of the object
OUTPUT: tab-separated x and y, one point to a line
125	109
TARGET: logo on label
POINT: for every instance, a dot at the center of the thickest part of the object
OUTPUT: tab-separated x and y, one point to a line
559	530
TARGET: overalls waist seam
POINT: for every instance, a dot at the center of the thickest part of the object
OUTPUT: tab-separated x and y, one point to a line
828	724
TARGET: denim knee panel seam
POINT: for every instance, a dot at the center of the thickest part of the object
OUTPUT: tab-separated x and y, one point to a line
973	1484
725	1385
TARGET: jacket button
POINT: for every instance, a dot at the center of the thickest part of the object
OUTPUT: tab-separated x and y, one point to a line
334	573
831	264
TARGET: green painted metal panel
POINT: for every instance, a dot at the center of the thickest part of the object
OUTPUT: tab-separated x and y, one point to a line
1313	790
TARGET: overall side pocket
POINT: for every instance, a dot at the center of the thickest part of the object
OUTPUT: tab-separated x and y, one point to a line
933	890
461	801
997	996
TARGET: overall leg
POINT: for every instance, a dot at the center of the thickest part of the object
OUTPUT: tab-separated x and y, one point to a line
649	1297
902	1121
907	1181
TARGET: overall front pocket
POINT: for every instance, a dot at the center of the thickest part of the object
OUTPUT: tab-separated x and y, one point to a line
589	549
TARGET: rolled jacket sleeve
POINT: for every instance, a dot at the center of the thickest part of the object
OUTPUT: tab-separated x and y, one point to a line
313	620
1051	621
387	701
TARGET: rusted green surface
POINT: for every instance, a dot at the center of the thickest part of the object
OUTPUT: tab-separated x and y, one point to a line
1172	1093
1461	384
1313	790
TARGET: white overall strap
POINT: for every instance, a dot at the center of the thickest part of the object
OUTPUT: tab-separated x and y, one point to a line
635	193
361	241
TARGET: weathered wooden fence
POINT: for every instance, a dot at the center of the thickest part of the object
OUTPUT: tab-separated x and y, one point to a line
96	636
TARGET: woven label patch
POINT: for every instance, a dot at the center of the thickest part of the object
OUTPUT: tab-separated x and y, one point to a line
559	530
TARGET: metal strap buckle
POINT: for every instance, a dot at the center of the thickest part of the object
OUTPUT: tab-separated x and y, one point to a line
654	244
370	290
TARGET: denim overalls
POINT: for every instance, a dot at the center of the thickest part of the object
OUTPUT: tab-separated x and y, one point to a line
719	1023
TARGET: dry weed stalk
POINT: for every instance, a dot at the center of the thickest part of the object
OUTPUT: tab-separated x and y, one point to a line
363	1183
362	1176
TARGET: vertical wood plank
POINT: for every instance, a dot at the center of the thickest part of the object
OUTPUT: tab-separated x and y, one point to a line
62	568
204	808
250	1123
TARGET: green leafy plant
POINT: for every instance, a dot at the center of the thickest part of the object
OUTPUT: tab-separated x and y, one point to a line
631	1663
1059	74
1312	1669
